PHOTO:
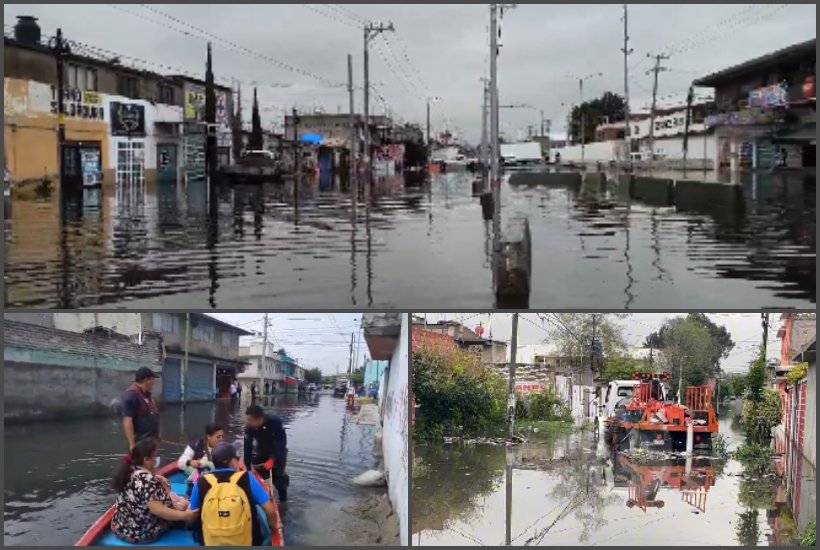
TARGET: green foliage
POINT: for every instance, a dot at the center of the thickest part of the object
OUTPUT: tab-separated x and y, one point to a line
609	106
572	334
313	376
357	379
456	394
797	374
810	535
756	459
542	406
622	368
720	447
693	348
747	529
756	379
760	416
758	494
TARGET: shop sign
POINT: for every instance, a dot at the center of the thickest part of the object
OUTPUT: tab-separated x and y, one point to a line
79	104
127	119
195	106
770	96
748	117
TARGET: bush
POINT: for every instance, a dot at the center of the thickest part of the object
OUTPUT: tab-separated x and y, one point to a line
456	394
760	416
810	535
797	374
548	406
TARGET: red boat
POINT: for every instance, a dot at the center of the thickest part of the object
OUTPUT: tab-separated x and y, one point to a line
100	533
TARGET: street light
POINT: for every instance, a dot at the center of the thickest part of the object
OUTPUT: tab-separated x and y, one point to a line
581	80
430	101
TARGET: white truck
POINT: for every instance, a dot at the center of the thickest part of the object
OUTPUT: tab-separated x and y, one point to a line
521	154
616	393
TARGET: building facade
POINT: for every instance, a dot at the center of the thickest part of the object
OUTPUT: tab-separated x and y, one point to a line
765	106
274	370
122	124
54	374
491	352
212	348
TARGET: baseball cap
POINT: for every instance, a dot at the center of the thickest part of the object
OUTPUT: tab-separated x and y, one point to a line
145	373
223	454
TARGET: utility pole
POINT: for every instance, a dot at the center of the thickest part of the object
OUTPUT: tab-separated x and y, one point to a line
592	345
183	375
61	50
690	98
484	127
371	30
494	107
513	358
627	51
264	360
297	160
657	69
765	323
429	142
353	136
350	363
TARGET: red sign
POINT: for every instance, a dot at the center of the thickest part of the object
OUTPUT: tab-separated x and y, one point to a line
529	387
479	330
809	88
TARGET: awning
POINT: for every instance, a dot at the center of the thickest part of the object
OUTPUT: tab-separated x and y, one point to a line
806	135
313	139
291	381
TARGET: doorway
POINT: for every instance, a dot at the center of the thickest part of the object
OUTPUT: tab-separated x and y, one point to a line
810	156
81	165
167	159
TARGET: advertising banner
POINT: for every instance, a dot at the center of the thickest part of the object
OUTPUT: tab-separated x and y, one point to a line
127	119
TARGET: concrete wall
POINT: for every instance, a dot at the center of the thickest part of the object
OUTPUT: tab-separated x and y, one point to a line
129	324
394	428
810	443
40	385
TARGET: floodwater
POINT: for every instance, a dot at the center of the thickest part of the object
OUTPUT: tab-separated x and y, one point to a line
57	476
565	490
415	244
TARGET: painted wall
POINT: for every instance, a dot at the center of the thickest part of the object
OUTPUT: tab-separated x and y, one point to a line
394	428
30	129
810	444
666	148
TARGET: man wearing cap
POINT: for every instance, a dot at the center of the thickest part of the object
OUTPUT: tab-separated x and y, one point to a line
226	462
140	414
266	449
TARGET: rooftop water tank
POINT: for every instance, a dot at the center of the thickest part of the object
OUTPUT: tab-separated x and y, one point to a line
27	30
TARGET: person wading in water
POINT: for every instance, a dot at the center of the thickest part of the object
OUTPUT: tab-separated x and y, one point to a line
140	414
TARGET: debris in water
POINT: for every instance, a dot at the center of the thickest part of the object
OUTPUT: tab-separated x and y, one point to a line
371	478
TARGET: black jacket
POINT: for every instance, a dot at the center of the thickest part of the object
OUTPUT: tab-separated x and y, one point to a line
271	441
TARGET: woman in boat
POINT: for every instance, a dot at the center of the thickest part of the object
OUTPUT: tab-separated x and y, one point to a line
145	508
197	456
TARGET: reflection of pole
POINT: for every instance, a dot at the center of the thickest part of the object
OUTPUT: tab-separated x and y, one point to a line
513	357
353	137
509	483
184	371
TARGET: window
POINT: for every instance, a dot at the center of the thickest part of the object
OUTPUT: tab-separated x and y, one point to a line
131	162
166	94
128	86
204	333
163	322
80	78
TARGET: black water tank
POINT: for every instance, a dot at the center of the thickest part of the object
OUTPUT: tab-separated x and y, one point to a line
27	30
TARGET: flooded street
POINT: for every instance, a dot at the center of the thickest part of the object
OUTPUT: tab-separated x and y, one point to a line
751	245
57	476
565	490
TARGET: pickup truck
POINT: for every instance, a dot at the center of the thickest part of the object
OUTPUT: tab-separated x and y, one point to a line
341	388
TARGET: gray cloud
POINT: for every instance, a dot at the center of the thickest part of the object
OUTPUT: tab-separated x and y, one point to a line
447	44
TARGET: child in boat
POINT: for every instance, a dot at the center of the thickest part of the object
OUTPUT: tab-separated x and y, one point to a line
196	459
145	507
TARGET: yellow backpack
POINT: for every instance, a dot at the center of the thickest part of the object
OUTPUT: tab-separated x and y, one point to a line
226	513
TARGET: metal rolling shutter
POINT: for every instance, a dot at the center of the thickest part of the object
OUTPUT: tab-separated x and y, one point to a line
200	383
170	381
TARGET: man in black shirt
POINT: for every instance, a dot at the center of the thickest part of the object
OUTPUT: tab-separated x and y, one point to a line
140	415
270	456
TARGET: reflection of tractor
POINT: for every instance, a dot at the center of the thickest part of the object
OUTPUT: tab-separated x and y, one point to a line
693	481
648	420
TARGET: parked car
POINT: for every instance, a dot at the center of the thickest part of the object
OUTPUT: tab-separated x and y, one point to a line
341	387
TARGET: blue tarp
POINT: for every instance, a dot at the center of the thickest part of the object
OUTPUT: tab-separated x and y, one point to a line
313	139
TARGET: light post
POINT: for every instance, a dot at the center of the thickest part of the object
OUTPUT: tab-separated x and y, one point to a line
430	101
581	80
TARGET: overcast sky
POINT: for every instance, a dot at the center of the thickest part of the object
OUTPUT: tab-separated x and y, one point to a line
446	45
321	341
746	331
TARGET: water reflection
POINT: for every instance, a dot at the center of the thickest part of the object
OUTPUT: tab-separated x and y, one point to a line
569	490
331	242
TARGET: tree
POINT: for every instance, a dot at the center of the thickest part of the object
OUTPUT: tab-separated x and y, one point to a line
572	334
257	141
313	376
622	368
609	106
692	349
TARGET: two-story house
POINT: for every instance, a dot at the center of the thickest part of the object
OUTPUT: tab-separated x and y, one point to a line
263	367
491	352
210	345
766	105
126	124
